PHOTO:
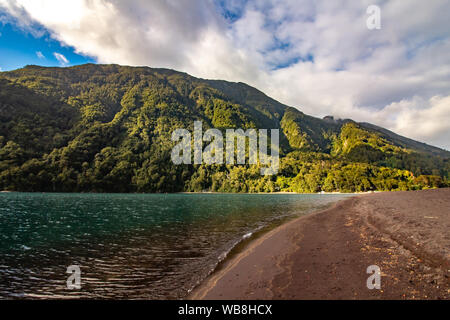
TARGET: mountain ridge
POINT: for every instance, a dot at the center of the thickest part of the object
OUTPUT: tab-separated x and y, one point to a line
424	145
66	123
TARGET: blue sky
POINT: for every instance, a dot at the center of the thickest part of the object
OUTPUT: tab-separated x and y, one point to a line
316	55
19	47
24	46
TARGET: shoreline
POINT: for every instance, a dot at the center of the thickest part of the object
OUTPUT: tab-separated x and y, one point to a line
247	240
324	255
206	192
201	290
284	192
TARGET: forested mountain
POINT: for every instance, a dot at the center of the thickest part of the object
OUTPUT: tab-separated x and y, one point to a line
107	128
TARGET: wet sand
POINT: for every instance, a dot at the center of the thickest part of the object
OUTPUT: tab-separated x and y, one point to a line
325	255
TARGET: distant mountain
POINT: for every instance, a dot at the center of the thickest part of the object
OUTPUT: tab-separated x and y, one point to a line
107	128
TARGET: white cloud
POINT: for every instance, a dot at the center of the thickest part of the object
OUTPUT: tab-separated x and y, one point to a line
61	58
395	77
420	119
19	17
40	55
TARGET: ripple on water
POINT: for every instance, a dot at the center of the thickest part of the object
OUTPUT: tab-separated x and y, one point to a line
129	246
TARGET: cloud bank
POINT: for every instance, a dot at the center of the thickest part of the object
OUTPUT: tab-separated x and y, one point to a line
318	56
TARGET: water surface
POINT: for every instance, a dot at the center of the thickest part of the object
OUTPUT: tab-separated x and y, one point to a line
129	246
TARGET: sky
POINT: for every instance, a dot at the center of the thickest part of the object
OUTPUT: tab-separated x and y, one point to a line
316	55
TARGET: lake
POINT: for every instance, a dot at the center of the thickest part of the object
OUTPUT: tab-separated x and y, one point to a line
130	246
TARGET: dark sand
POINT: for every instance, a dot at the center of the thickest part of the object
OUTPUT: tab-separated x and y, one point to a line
325	255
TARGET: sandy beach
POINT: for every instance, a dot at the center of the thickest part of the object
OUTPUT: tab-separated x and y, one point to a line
325	255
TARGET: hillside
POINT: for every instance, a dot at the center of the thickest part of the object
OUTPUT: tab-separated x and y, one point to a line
107	128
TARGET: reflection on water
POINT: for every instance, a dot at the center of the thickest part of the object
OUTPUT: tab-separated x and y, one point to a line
128	246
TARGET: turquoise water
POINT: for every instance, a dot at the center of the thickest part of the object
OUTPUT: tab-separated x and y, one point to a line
129	246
